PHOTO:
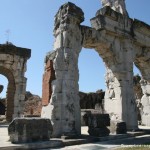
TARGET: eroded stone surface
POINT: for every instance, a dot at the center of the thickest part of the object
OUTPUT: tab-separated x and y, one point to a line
119	40
97	124
13	66
22	130
138	95
92	100
117	5
118	127
64	107
48	77
86	115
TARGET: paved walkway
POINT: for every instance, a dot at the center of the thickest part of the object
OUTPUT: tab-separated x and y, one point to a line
112	143
4	135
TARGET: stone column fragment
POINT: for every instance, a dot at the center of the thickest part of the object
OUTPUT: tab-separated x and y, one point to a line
117	5
64	108
119	98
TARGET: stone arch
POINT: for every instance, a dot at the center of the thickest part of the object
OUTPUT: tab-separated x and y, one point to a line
116	53
10	92
142	62
114	36
13	66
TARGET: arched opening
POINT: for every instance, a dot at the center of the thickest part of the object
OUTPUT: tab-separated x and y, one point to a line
136	70
91	84
4	85
142	64
10	92
91	71
137	91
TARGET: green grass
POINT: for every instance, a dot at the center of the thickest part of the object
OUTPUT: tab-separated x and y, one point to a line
143	147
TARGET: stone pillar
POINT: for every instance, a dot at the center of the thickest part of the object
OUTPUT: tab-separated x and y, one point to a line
117	5
119	97
64	108
19	97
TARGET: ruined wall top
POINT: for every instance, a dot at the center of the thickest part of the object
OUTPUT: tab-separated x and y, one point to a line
66	13
117	5
9	48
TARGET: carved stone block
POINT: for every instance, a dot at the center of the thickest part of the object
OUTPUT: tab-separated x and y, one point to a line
97	124
118	127
99	132
22	130
98	120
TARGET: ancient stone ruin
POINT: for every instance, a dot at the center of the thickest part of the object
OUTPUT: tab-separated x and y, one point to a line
13	66
23	130
119	40
116	5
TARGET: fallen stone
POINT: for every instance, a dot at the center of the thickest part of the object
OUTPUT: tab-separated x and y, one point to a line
118	127
98	132
97	124
23	130
98	120
86	115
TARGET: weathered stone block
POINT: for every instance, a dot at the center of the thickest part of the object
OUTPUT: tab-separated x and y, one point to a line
146	120
22	130
98	120
86	115
97	124
104	131
13	61
118	127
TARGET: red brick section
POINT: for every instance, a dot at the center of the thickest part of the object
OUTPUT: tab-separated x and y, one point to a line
48	77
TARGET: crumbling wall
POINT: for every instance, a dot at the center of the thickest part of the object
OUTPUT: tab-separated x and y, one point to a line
92	100
138	95
33	105
48	77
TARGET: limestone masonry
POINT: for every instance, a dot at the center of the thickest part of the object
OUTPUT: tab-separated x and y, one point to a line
120	41
13	66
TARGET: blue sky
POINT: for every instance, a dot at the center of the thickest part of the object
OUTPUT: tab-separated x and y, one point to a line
31	26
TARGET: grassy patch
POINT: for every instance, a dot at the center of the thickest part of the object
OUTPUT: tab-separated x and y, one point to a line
135	147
